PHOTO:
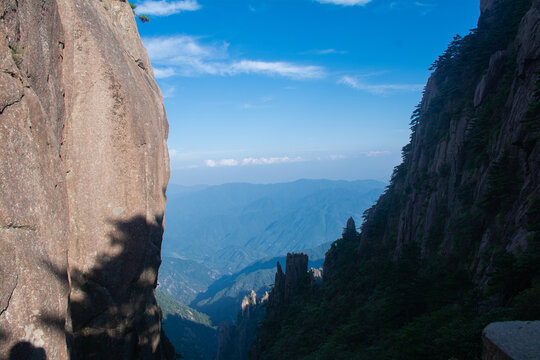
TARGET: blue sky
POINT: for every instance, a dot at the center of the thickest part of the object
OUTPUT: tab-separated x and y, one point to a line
273	90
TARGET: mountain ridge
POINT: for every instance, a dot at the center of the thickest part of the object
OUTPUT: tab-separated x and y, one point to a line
453	244
253	221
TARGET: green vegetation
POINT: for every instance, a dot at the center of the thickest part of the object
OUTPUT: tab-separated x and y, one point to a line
170	307
191	332
142	17
373	307
424	296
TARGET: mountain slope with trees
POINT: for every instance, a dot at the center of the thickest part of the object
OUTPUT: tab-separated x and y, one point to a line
454	242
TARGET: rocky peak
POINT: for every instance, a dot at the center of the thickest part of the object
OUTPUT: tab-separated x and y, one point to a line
295	272
350	228
234	341
315	277
247	302
288	284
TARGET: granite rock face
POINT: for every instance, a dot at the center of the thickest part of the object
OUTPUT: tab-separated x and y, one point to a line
235	341
83	173
511	340
438	182
286	284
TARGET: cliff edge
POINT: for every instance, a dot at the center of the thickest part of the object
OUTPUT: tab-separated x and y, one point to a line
83	173
453	244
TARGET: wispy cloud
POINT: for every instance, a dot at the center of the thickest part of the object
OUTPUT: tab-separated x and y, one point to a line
337	157
185	55
162	73
325	52
376	153
378	89
271	160
425	7
252	161
166	8
182	48
277	68
168	92
224	162
344	2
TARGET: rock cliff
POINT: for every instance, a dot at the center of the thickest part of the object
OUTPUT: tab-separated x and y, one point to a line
473	155
83	173
234	341
287	285
454	242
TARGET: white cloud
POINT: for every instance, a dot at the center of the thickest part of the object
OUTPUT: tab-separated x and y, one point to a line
168	92
252	161
174	49
162	73
224	162
185	55
166	8
326	52
349	81
277	68
377	153
344	2
337	157
378	89
271	160
172	153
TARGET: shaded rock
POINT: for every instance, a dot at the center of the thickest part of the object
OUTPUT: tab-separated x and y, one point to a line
511	340
490	79
486	4
295	274
83	171
350	229
528	39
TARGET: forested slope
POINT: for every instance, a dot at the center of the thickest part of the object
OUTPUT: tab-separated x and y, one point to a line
453	243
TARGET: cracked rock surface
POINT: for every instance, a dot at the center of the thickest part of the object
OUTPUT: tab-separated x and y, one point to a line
83	172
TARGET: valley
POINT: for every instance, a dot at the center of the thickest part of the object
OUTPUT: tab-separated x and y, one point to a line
262	223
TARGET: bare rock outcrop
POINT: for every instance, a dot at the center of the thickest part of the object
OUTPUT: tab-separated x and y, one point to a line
83	173
315	277
490	79
235	341
286	284
511	340
438	181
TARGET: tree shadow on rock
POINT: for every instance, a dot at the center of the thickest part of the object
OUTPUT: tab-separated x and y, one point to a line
114	313
26	351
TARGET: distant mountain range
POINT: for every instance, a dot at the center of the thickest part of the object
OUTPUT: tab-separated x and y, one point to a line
229	226
185	279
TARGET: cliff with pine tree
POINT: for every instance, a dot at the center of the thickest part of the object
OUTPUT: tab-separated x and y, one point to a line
454	242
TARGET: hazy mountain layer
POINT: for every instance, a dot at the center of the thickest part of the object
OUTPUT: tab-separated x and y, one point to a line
185	279
229	226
